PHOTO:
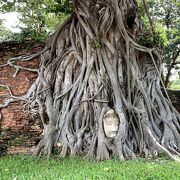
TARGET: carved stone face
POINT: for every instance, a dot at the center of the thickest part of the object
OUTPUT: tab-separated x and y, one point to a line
111	123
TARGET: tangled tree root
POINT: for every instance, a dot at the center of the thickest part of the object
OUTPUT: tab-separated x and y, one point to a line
93	64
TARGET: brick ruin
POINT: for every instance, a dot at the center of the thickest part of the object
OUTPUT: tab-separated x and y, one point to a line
19	130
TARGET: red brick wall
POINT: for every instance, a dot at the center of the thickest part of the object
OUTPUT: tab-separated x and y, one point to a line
15	119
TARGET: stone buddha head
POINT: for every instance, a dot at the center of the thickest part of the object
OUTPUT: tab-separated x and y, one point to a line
111	123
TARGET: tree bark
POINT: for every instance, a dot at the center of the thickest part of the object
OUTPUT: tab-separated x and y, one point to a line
171	66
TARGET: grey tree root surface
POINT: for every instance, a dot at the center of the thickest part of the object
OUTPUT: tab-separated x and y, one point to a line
92	64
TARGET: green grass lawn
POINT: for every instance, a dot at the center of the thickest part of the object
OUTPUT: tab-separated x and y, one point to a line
26	167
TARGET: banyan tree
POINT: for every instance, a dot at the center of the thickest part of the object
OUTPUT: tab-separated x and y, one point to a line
99	92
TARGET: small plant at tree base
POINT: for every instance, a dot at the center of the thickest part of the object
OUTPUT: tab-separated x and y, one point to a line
97	44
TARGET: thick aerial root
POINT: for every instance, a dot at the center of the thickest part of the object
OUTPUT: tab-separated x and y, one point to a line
46	144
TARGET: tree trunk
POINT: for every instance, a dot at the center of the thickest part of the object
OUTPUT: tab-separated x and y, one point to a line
91	65
172	65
